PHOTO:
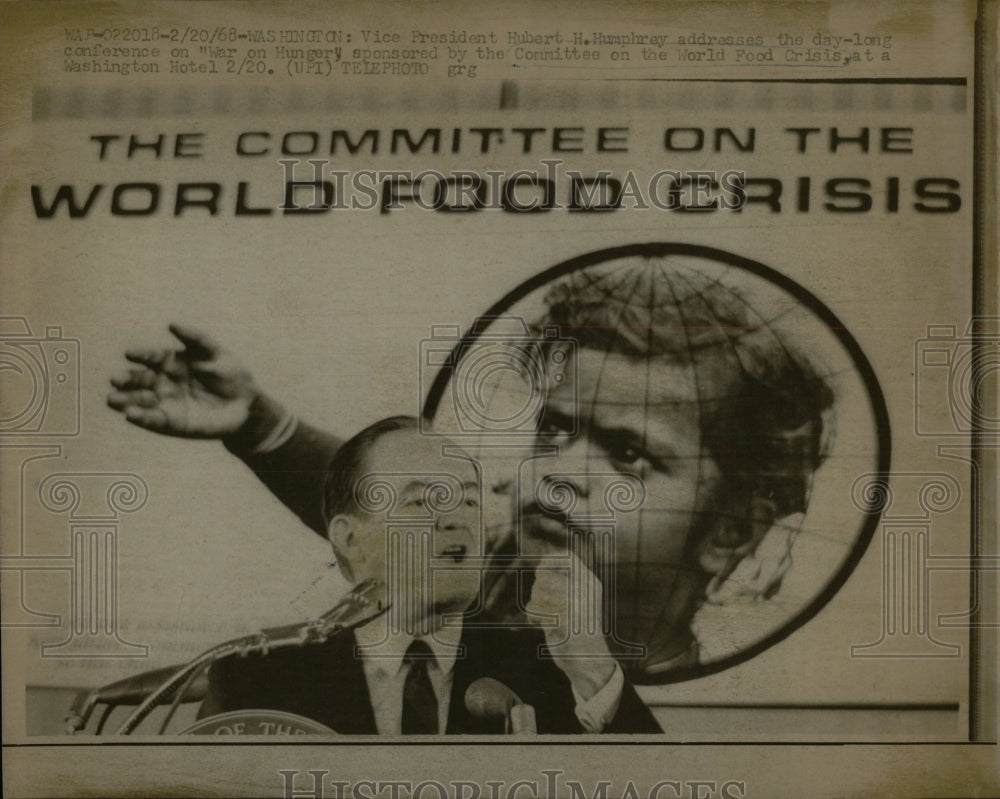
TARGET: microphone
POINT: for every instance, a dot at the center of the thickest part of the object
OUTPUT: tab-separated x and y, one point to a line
491	700
128	691
360	605
132	690
363	603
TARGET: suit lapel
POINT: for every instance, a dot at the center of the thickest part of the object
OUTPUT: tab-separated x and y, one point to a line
341	689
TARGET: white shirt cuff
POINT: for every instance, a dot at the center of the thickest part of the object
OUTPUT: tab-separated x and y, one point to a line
598	711
279	435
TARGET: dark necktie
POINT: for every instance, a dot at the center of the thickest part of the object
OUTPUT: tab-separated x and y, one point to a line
420	704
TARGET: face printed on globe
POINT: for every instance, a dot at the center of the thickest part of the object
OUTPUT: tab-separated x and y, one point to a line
682	429
638	427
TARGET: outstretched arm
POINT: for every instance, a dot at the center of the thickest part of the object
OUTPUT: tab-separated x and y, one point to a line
203	391
288	456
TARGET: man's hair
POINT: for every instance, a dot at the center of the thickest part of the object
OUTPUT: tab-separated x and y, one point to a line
346	467
764	404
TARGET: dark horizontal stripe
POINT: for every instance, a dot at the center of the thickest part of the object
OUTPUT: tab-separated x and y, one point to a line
880	81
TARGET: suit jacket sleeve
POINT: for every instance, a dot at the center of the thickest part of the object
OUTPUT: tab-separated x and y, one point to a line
633	716
513	658
295	472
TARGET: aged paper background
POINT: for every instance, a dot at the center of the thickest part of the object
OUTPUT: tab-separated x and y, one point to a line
329	310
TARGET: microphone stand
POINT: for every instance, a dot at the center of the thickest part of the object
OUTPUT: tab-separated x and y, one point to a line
360	605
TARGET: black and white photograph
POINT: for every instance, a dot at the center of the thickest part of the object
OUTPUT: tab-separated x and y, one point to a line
442	399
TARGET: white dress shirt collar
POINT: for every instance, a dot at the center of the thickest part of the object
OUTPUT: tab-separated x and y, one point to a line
386	651
382	656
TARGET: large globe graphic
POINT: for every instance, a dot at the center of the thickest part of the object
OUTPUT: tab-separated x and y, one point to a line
684	422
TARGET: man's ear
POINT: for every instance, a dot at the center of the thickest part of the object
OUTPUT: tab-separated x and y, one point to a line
343	534
763	514
737	533
756	573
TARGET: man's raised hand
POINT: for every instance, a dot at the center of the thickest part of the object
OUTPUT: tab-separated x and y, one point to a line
568	600
200	391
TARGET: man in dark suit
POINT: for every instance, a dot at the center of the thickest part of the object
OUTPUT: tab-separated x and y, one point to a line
677	385
327	683
398	510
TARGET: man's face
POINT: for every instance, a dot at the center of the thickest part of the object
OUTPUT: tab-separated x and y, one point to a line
635	418
426	524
